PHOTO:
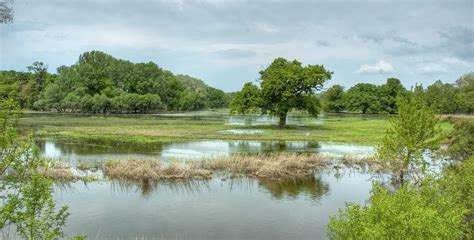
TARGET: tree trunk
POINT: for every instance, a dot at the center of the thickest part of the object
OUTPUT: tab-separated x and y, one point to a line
282	120
401	176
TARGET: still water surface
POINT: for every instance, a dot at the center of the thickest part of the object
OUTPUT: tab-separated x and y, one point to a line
74	153
215	209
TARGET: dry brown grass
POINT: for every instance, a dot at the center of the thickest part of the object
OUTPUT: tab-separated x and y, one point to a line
135	170
269	166
272	166
58	174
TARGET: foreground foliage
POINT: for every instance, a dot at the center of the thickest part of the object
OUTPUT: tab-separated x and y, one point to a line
440	206
428	212
26	202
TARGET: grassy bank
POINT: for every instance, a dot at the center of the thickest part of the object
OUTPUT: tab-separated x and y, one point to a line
151	129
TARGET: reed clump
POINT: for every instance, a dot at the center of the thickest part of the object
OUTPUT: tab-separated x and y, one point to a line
266	166
58	174
136	170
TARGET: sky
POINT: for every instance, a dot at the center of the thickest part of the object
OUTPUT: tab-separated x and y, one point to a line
226	43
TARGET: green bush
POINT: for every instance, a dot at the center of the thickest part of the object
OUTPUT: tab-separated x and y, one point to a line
440	208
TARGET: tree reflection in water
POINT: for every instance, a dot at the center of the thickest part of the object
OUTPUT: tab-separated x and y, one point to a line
310	186
147	187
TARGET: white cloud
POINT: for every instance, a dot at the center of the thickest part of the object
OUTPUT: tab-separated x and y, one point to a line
380	67
431	68
265	27
444	65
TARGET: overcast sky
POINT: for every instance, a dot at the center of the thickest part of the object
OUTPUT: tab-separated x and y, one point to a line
226	43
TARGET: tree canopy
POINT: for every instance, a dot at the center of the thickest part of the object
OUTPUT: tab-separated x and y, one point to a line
363	97
334	99
100	83
284	85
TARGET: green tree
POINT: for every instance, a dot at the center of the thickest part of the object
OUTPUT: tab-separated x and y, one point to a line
247	100
465	85
149	102
413	132
100	103
363	97
388	93
442	97
96	74
334	99
26	196
40	71
36	217
215	98
51	98
190	101
287	85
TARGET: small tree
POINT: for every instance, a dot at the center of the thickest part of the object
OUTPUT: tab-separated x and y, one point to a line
412	132
247	100
26	200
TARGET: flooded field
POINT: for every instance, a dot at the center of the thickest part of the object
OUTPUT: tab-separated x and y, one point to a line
219	208
74	153
215	209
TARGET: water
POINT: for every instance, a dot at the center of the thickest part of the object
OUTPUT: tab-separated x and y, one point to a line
75	153
215	209
219	208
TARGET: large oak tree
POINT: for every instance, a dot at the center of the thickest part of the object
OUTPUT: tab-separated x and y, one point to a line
287	85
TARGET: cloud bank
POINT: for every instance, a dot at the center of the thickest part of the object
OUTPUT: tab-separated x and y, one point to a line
226	43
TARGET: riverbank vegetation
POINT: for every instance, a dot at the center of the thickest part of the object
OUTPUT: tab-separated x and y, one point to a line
442	98
26	203
100	83
433	206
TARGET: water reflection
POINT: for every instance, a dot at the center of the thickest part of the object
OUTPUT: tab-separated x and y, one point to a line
147	187
77	152
310	187
215	209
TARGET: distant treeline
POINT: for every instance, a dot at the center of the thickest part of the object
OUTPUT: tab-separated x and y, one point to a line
100	83
369	98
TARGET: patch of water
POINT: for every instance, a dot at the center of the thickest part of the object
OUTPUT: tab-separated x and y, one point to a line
242	131
75	153
215	209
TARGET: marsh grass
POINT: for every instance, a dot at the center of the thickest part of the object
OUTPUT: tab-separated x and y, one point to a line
136	170
59	174
265	166
285	165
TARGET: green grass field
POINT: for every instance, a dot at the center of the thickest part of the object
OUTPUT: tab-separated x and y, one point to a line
148	128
